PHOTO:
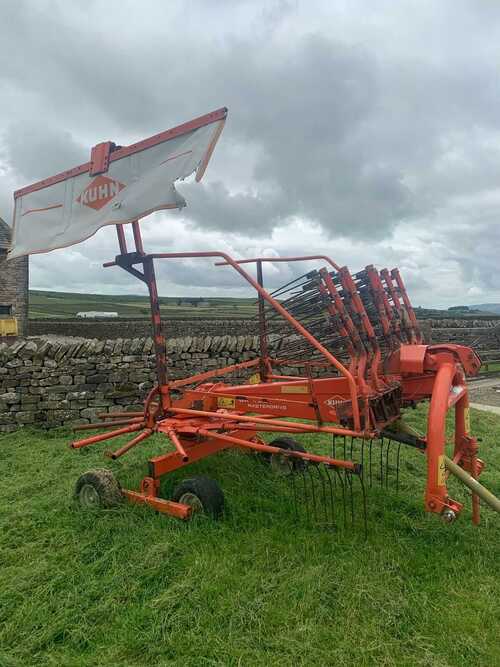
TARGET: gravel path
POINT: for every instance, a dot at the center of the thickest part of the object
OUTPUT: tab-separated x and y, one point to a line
485	392
495	409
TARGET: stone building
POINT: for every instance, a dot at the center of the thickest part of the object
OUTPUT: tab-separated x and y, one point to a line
13	283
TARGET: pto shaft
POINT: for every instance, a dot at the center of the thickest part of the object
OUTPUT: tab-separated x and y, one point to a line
489	498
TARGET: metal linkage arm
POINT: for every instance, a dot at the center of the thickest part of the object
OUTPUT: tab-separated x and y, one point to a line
304	258
136	259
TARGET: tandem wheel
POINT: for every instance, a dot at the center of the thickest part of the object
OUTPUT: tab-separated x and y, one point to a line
202	494
98	488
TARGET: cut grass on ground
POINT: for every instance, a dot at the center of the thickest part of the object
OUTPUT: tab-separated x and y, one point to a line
130	587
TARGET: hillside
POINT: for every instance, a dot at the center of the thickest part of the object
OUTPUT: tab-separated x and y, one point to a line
493	308
64	305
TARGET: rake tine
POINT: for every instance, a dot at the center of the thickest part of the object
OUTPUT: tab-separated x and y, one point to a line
365	509
343	496
325	508
295	501
382	462
306	497
398	459
371	444
332	502
334	454
349	478
389	442
313	494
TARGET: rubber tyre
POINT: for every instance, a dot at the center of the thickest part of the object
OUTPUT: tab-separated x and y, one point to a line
286	466
203	494
98	488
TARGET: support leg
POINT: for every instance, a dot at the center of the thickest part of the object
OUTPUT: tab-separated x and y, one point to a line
436	496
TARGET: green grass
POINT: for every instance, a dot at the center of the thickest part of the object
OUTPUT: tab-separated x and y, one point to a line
63	305
130	587
491	368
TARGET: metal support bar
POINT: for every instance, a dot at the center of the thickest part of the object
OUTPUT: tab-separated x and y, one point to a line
476	487
177	444
178	510
77	444
304	428
305	456
135	441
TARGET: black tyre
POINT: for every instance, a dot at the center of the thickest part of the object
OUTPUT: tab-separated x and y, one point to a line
98	488
203	494
285	465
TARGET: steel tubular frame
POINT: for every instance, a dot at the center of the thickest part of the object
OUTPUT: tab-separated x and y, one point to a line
214	416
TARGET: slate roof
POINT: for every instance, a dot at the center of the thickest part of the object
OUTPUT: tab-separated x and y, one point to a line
4	235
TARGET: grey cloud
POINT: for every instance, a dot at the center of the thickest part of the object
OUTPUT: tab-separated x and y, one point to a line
37	150
364	122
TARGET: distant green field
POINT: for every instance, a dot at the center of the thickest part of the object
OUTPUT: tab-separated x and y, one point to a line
62	305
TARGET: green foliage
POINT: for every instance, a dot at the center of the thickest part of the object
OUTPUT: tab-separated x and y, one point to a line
130	587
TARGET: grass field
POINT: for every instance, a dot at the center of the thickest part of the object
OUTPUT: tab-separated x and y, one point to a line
129	587
62	305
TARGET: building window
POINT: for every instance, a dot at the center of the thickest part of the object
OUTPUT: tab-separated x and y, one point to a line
5	310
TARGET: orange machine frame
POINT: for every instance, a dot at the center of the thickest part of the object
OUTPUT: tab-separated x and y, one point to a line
211	416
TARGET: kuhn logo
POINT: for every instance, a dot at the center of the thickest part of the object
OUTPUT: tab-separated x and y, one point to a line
99	192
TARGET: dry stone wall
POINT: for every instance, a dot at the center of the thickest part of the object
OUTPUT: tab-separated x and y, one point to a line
136	328
482	335
132	328
50	384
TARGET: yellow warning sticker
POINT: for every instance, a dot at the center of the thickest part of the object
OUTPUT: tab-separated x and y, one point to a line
441	476
226	402
467	419
294	389
254	379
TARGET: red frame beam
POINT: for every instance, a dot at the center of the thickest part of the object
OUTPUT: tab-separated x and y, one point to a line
125	151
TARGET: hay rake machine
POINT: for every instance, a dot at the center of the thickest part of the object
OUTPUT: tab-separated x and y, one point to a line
341	355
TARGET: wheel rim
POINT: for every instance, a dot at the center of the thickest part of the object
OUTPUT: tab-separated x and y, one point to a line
193	501
88	496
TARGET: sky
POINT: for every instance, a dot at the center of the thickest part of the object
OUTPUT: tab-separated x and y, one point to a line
365	129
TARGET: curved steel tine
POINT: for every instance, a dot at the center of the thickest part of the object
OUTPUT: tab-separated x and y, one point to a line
306	498
398	460
334	454
332	502
352	445
345	455
363	457
323	483
365	508
351	496
389	443
382	462
371	479
313	494
343	496
295	500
